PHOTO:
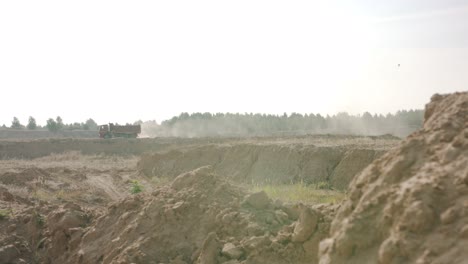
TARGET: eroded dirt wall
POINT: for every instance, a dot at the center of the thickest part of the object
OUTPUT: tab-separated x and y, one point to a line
264	164
309	159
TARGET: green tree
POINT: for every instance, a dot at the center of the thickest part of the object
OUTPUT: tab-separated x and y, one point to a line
31	123
59	122
90	125
136	187
52	125
138	122
16	123
75	126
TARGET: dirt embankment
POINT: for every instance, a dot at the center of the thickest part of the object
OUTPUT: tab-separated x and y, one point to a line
15	134
309	159
42	147
265	163
39	148
410	206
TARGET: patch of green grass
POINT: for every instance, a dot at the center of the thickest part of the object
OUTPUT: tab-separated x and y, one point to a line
39	219
4	214
323	185
60	195
136	187
300	192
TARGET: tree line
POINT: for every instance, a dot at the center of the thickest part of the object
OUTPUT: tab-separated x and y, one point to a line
399	124
53	125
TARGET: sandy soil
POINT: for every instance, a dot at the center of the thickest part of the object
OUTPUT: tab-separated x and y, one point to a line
71	208
410	205
268	163
57	208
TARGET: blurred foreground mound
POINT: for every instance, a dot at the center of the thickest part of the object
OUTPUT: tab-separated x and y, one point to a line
200	218
411	205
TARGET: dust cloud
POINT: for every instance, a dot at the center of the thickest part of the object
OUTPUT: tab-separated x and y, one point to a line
399	124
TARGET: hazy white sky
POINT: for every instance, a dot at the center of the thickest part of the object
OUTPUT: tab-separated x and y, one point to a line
120	61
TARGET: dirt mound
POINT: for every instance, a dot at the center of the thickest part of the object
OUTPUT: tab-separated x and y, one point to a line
411	205
39	232
65	227
198	218
21	223
265	163
21	178
60	184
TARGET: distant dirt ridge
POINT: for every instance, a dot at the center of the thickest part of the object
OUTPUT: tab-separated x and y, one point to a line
42	147
39	148
264	164
41	134
310	159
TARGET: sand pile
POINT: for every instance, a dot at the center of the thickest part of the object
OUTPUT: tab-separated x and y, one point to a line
198	218
411	205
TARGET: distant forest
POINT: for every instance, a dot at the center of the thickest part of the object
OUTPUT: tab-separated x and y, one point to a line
399	124
52	125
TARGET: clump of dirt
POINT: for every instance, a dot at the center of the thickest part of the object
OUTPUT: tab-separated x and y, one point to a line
198	218
21	228
64	228
411	205
40	233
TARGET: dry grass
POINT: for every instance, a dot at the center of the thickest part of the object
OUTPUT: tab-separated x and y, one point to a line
300	192
72	176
